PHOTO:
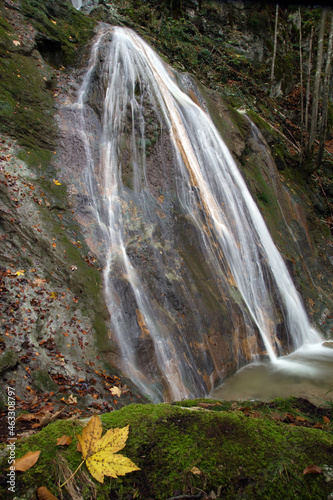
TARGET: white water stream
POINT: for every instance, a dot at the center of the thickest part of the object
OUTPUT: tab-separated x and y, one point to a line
132	70
77	4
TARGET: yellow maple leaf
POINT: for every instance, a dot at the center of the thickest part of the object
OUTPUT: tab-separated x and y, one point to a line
99	452
105	464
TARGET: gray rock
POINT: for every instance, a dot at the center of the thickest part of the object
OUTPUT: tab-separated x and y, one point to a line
8	360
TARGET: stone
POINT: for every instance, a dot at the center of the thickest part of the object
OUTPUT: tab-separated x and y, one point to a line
8	360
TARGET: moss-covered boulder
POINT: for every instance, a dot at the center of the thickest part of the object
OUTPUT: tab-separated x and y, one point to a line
229	453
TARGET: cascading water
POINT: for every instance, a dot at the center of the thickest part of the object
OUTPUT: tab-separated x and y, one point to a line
157	168
77	4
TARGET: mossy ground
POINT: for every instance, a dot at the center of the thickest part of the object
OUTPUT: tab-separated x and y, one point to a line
189	450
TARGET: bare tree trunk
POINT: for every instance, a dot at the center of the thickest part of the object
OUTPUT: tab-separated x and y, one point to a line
301	78
315	99
308	85
275	45
323	125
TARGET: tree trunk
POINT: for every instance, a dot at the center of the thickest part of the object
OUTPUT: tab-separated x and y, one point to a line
323	125
301	78
307	105
275	45
315	99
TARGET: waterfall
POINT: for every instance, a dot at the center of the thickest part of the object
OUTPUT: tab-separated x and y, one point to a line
77	4
154	214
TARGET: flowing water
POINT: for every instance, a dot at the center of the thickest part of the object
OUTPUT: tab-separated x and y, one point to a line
140	103
77	4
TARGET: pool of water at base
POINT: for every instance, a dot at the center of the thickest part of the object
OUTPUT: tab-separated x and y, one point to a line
306	373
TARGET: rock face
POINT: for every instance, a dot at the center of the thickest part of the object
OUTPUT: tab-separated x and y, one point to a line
180	312
54	323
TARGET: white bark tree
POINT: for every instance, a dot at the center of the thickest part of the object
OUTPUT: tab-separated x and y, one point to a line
301	78
308	87
315	95
323	124
275	47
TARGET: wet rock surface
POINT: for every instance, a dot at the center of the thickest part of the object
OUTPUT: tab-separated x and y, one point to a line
53	341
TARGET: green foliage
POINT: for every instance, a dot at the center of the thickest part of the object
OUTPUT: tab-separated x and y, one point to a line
259	22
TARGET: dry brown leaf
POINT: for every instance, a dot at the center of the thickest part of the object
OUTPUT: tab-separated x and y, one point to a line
70	401
44	494
26	417
206	405
312	469
45	419
326	420
301	419
27	461
64	441
115	391
38	282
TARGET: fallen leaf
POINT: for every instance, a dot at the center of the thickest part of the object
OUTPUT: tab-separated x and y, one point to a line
27	461
103	464
195	470
57	183
116	391
301	419
38	282
326	420
26	417
312	469
16	43
45	419
99	452
64	441
277	416
20	272
44	494
206	405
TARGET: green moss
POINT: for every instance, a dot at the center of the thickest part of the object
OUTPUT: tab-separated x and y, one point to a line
26	107
263	125
237	456
8	360
43	382
26	103
59	22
